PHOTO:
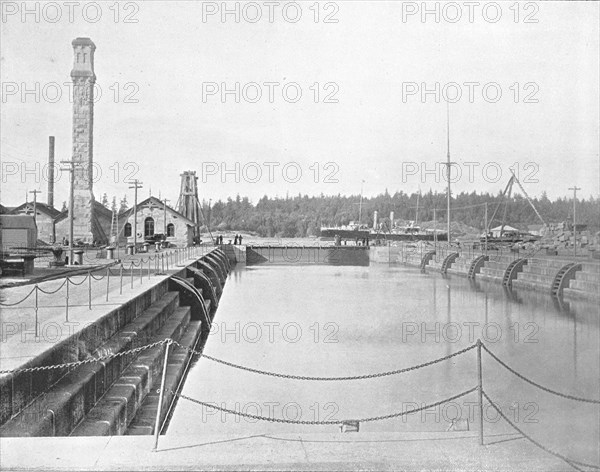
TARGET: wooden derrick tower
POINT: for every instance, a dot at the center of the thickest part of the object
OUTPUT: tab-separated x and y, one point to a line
188	204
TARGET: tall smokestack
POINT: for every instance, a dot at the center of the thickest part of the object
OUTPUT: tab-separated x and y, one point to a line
51	171
375	214
391	219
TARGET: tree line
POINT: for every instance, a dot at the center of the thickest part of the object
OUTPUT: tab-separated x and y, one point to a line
302	216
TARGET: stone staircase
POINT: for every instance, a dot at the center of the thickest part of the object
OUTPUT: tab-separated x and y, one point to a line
538	274
586	283
102	398
118	395
495	268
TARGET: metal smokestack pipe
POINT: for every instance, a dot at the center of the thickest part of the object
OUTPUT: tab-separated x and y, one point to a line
51	171
375	214
391	219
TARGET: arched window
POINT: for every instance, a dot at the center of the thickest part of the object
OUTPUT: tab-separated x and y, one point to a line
171	230
127	230
148	227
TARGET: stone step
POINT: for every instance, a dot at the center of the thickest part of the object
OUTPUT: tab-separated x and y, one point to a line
584	285
117	408
72	397
531	285
570	292
590	267
22	388
144	421
588	277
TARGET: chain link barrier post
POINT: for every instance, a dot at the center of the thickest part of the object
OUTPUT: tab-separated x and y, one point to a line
148	268
36	311
141	271
90	290
161	395
480	391
107	282
132	275
67	302
121	280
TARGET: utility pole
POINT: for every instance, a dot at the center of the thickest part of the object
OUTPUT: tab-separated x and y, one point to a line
135	184
165	201
71	169
574	188
35	192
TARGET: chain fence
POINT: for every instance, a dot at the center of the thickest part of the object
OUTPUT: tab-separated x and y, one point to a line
314	378
326	422
535	384
539	445
168	341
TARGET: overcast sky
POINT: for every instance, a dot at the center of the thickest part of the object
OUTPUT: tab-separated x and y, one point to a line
370	121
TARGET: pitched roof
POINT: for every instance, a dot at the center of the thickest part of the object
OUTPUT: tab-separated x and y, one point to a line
153	202
39	206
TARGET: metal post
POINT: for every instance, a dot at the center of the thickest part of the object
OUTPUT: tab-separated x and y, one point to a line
90	290
574	188
67	302
486	228
480	392
107	282
131	274
161	395
148	268
36	311
121	280
141	270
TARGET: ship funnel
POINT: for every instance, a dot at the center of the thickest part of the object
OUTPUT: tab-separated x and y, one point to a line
391	219
375	214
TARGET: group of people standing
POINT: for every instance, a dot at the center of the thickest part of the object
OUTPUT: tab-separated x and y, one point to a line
236	240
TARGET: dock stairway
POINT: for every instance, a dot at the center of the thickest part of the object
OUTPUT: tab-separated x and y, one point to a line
563	277
115	395
511	272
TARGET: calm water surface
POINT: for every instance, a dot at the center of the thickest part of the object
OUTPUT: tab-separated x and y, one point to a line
333	321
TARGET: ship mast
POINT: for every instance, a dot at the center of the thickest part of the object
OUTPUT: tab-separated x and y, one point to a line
448	164
360	203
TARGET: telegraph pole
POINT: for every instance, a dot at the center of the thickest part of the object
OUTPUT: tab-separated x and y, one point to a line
165	201
35	192
71	169
574	188
135	184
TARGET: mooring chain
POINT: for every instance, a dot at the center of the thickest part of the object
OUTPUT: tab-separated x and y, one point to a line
529	438
541	387
305	377
87	361
325	422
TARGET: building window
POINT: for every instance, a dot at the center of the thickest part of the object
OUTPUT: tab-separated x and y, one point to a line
171	230
127	230
148	227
